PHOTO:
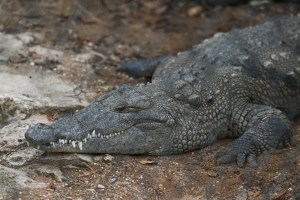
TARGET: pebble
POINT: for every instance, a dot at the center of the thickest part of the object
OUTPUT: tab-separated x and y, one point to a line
194	11
108	158
99	186
212	173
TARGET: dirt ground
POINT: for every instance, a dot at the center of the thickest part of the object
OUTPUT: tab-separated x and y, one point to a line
119	29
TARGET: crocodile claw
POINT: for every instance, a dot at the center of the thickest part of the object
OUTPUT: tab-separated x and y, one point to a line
241	156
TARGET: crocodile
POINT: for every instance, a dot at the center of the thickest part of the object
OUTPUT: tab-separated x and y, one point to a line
243	84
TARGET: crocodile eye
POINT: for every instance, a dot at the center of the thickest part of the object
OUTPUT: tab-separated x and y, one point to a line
210	100
132	109
122	108
119	108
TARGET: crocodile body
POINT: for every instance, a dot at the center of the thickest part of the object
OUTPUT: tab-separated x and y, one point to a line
243	84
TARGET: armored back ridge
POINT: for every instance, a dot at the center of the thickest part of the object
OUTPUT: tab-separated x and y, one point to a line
242	84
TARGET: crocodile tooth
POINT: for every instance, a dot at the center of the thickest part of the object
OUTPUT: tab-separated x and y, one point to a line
27	143
89	136
80	145
52	143
94	133
99	134
84	140
66	141
110	135
74	144
70	141
102	136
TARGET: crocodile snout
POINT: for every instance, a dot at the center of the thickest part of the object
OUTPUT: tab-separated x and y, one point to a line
39	134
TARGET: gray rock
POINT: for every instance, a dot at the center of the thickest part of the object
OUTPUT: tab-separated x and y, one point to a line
14	45
23	95
46	53
49	171
12	181
12	134
38	90
20	157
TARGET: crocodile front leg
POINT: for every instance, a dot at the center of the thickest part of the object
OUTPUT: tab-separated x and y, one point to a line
265	128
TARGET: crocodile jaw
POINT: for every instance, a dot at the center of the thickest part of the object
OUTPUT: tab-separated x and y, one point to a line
125	121
131	141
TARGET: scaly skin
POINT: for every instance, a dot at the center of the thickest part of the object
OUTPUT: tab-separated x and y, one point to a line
243	84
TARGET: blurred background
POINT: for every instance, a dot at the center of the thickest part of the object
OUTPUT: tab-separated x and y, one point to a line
119	29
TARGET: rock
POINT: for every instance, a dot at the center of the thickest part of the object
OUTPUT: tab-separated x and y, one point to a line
12	181
46	53
48	171
108	158
37	91
14	45
66	160
7	109
212	173
12	134
85	157
100	186
83	58
24	95
147	162
45	57
98	158
242	194
194	11
91	190
20	157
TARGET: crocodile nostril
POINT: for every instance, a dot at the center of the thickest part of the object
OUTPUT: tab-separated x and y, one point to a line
41	126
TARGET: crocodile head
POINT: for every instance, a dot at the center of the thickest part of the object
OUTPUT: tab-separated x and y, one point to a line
126	121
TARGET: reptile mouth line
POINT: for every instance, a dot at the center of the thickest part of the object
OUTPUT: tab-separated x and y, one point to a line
79	143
